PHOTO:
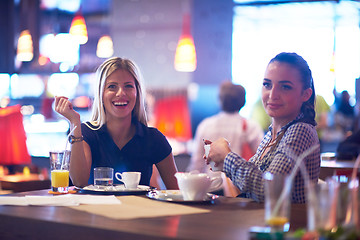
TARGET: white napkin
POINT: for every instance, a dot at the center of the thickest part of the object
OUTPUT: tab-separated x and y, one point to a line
16	201
62	200
96	199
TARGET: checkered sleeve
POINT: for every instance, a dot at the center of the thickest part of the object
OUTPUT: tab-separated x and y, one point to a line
245	175
248	175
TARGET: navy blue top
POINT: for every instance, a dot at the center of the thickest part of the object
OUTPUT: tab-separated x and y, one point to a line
148	146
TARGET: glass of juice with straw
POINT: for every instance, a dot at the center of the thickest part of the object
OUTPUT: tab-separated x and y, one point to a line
59	166
277	201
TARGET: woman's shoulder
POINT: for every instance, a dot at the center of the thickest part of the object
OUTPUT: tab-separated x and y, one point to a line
148	131
89	128
152	130
153	137
90	125
301	130
302	126
300	137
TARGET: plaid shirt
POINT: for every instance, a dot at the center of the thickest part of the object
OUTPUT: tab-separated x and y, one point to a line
248	176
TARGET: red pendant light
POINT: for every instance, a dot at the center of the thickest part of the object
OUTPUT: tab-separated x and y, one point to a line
78	29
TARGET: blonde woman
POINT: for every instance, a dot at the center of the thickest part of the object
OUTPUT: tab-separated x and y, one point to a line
117	135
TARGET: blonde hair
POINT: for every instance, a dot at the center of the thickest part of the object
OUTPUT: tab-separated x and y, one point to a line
104	70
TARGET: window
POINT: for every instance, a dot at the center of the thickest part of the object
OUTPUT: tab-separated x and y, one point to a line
313	30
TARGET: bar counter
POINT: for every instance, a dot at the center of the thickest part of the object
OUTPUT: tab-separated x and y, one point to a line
228	218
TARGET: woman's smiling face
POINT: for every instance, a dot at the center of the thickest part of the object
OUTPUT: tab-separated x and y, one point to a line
119	94
282	92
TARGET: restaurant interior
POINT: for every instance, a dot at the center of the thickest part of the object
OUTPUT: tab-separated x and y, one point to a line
184	49
229	39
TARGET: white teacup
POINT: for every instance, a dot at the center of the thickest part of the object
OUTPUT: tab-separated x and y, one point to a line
130	179
194	186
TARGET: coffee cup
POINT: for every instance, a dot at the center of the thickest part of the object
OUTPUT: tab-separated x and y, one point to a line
130	179
195	186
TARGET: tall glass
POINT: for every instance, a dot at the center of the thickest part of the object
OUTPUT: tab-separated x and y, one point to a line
322	207
59	166
347	205
277	201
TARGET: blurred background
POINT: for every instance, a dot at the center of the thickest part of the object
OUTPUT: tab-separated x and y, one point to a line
52	47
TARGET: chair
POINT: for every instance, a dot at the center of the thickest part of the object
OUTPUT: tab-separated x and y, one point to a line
13	150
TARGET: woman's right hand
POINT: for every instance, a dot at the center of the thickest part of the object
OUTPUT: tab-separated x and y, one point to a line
65	108
218	151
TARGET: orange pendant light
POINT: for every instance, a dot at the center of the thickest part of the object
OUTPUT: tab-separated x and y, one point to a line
25	51
78	29
185	56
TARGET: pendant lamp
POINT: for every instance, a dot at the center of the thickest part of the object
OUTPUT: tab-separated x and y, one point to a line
185	56
78	29
105	48
25	51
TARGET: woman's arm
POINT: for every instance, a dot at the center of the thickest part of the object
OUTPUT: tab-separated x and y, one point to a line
80	163
154	180
248	177
80	159
167	170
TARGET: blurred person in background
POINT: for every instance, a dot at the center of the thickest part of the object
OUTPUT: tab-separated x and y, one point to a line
322	110
344	114
228	124
259	115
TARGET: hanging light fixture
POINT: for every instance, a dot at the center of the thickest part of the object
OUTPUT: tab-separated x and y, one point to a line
78	29
185	56
25	51
105	48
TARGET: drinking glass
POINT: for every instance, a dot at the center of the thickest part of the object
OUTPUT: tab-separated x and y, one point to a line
277	201
103	176
322	210
59	166
347	205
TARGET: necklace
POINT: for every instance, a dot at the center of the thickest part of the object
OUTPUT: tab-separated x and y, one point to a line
272	143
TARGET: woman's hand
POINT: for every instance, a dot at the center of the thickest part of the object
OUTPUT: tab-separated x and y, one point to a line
65	108
218	151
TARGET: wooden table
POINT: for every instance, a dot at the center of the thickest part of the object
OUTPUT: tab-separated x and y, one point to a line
21	182
230	218
335	167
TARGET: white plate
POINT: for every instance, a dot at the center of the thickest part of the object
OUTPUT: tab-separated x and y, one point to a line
116	189
175	196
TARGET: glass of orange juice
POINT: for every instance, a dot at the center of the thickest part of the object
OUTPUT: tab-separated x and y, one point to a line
277	201
59	166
